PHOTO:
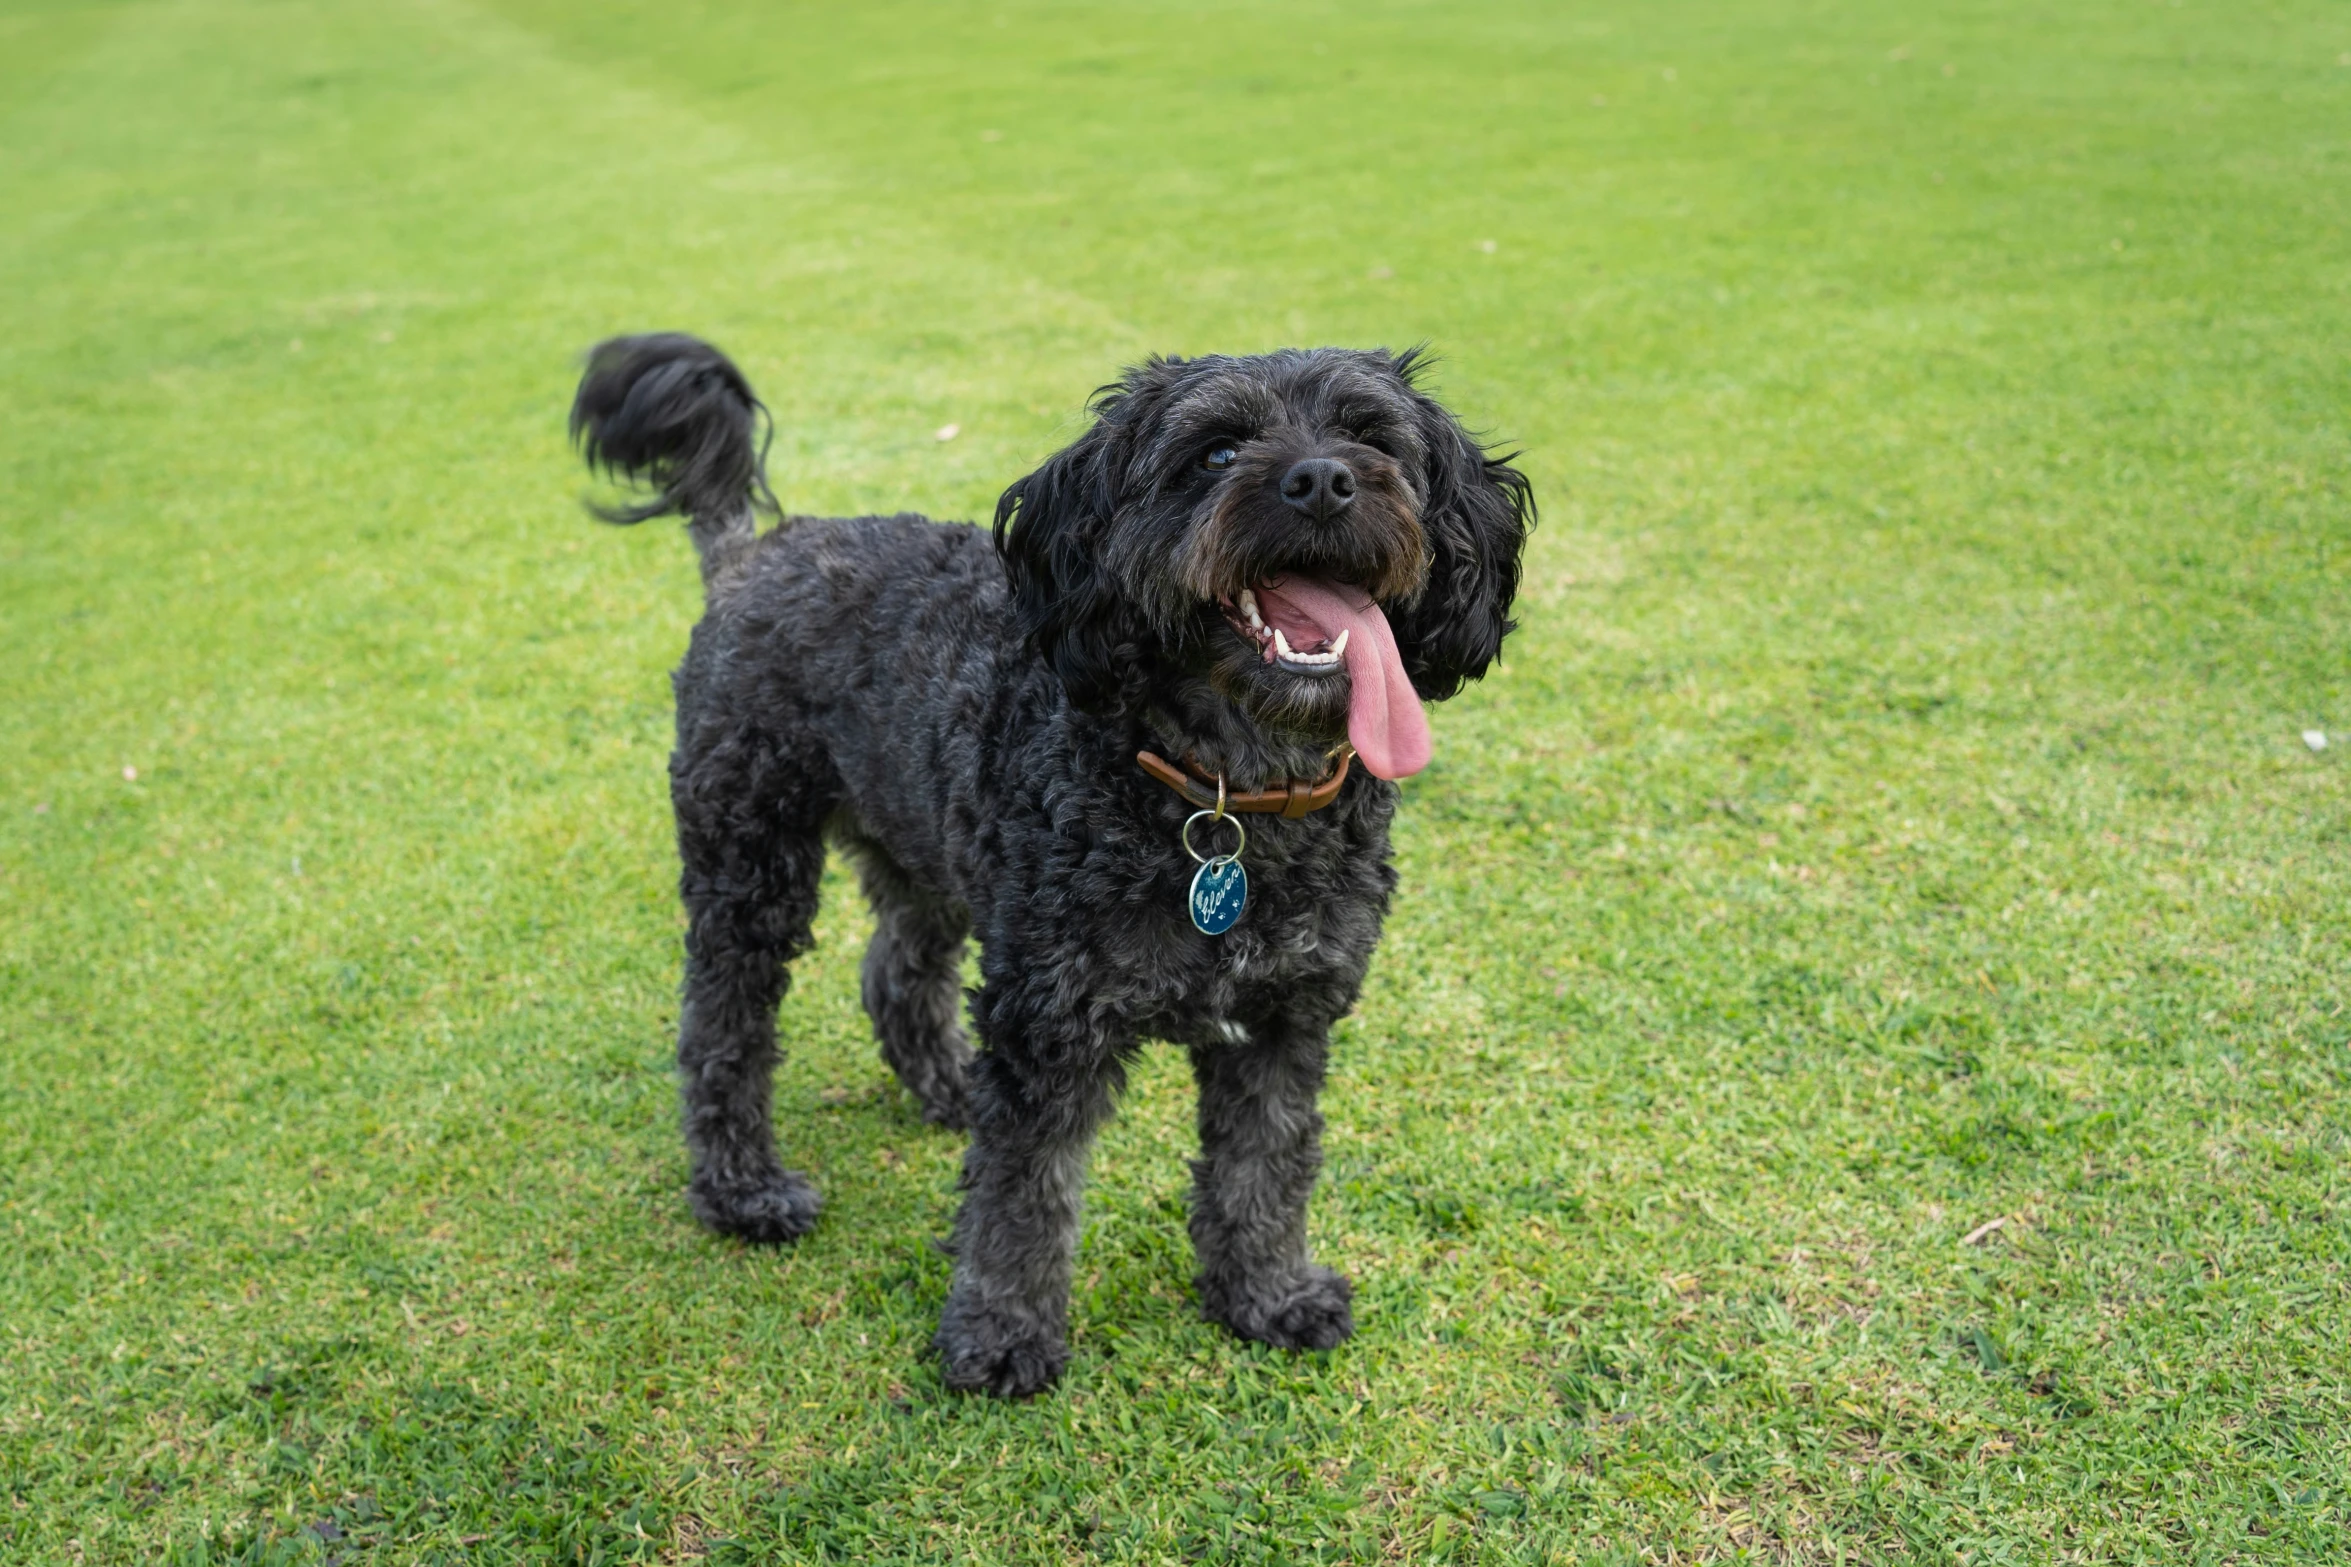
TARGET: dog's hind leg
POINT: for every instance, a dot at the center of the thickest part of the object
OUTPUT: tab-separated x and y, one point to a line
1260	1147
913	985
750	833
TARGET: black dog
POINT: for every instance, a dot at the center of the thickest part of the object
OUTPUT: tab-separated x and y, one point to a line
1247	565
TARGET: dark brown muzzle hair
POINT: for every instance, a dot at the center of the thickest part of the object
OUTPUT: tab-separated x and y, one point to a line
1324	508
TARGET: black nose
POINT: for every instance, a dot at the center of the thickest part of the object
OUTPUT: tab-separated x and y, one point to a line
1321	487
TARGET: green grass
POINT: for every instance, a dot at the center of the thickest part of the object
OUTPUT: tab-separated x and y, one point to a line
1891	817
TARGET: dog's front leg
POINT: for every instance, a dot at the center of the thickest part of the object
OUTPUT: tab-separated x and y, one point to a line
1005	1330
1260	1148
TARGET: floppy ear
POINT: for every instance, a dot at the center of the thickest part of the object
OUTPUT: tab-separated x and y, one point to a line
1474	517
1052	530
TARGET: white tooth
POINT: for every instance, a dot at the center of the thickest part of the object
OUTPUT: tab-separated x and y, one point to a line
1339	648
1281	645
1249	608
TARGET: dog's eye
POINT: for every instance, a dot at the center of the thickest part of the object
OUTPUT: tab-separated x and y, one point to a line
1219	458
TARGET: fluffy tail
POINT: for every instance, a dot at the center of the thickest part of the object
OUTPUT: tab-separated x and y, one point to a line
672	413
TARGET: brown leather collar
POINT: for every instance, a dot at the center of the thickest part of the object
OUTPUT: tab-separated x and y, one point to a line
1293	798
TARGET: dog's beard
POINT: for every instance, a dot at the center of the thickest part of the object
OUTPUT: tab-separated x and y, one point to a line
1311	706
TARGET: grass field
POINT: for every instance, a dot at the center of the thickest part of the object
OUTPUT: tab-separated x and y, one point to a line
1859	1069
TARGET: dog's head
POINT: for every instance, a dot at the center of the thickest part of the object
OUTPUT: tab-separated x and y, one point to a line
1306	530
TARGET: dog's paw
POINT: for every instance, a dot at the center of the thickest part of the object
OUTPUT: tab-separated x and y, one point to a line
936	1079
943	1104
1312	1310
782	1208
1003	1353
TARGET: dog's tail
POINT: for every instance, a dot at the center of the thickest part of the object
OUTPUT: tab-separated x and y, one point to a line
672	413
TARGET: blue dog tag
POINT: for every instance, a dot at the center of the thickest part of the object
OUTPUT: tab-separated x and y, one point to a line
1220	890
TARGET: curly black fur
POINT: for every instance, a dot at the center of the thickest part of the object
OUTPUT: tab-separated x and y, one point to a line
674	413
963	720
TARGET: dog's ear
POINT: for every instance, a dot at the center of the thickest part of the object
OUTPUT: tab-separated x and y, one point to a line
1052	529
1475	513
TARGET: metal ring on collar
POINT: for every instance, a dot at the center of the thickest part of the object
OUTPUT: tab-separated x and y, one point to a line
1212	816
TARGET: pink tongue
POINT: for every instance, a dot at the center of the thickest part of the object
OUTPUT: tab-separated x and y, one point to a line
1384	720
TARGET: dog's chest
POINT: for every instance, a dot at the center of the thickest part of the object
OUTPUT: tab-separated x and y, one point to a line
1299	948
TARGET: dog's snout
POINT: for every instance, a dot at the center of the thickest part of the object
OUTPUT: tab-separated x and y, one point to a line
1321	487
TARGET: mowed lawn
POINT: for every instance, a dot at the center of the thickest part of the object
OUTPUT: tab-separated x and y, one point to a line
1859	1069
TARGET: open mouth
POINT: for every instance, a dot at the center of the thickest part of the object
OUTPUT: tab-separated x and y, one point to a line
1317	628
1322	655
